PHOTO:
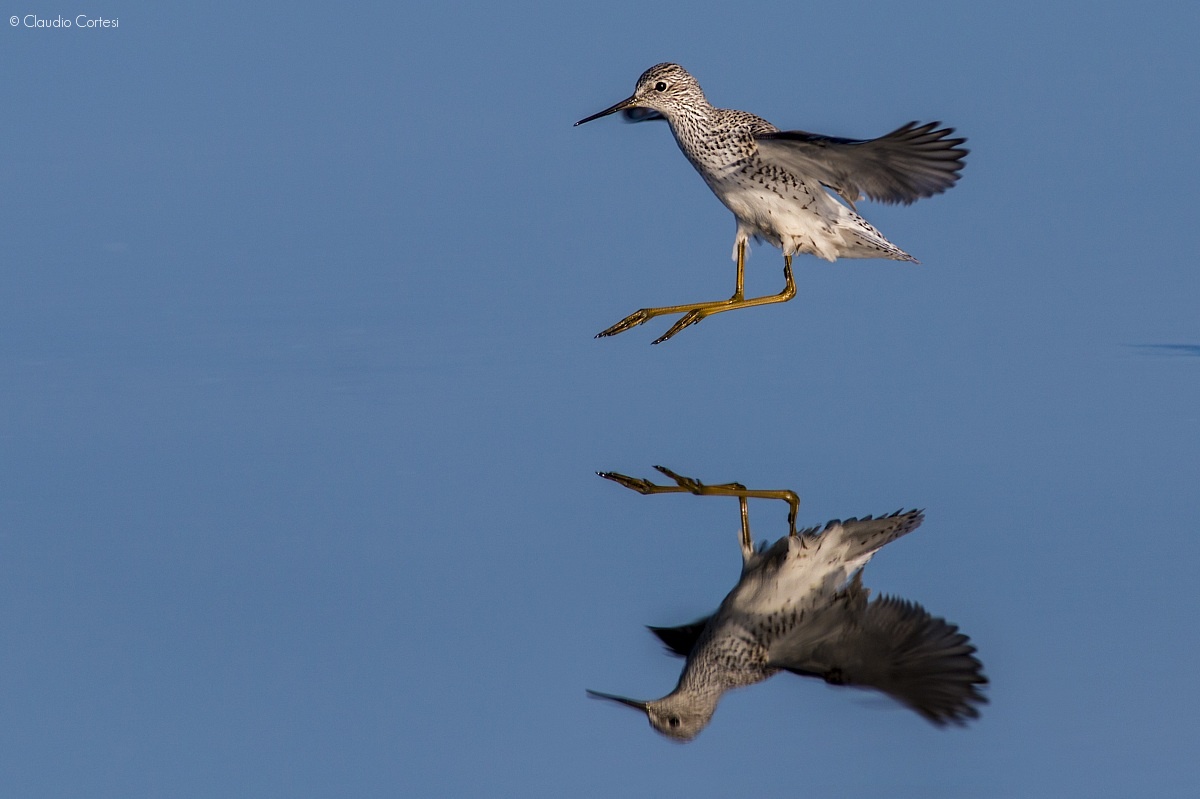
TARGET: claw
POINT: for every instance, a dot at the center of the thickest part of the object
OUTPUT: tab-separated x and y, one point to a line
633	320
664	470
634	483
687	320
689	484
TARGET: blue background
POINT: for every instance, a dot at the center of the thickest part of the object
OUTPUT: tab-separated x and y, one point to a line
300	405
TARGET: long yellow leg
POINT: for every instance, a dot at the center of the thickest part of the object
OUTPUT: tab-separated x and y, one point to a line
694	312
691	486
746	540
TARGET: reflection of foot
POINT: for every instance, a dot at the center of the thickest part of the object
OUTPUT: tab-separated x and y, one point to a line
693	486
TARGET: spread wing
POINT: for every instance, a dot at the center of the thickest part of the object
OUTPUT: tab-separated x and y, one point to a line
891	645
680	640
911	162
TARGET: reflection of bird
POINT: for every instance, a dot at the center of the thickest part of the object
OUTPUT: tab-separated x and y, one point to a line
775	182
800	606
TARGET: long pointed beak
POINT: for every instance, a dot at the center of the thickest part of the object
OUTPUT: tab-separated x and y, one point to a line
642	706
621	106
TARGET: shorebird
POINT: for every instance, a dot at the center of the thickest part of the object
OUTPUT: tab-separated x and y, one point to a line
800	606
781	185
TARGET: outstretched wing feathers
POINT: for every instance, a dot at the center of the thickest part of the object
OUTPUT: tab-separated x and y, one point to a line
891	645
911	162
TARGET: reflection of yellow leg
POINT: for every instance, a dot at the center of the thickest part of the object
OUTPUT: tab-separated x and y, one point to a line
694	312
689	486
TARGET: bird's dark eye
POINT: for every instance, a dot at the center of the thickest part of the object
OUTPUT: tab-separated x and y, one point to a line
673	721
661	86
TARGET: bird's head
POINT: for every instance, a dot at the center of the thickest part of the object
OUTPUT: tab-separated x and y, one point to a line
663	92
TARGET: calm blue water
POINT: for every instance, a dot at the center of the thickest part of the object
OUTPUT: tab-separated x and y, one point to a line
300	407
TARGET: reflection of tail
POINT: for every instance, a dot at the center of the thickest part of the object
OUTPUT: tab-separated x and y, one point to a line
891	645
862	537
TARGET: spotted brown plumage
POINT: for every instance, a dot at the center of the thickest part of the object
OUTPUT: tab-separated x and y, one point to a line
793	189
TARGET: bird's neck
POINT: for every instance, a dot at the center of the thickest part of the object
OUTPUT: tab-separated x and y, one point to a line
711	139
691	126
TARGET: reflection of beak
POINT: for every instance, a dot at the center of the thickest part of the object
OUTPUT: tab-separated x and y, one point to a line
621	106
642	706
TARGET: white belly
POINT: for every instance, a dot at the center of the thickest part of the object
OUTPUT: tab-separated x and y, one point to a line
801	219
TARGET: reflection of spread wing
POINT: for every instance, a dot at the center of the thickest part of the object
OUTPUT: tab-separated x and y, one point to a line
911	162
890	645
680	640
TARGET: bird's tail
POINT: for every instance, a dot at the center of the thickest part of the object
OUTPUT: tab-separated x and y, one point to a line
860	239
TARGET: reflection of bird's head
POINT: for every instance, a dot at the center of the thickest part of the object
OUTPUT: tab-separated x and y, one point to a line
678	716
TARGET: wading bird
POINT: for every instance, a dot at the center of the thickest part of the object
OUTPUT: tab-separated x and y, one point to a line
780	185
